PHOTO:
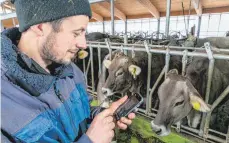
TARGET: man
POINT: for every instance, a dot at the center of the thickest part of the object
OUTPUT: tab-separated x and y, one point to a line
44	97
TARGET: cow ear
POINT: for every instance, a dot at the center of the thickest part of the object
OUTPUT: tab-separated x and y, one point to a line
173	71
134	70
82	54
198	103
107	63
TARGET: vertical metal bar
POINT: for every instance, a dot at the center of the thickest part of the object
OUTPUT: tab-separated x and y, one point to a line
189	12
158	27
184	18
99	59
109	47
148	77
184	61
126	27
210	74
167	59
154	88
92	69
210	70
227	139
104	26
199	24
84	70
112	17
218	100
168	8
219	24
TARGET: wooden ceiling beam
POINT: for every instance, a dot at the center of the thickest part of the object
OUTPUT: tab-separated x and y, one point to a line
150	7
198	6
97	17
117	12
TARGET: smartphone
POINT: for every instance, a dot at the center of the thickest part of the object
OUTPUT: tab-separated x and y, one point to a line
133	102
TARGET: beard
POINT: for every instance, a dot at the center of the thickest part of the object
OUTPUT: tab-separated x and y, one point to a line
49	53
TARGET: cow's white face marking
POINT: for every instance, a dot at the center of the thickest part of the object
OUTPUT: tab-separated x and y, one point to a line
107	92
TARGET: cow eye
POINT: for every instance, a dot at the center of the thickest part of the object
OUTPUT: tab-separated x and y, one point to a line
193	74
179	103
119	73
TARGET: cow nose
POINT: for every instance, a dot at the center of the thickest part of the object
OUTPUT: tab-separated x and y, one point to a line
158	132
104	91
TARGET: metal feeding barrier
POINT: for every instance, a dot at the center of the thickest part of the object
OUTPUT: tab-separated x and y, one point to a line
204	133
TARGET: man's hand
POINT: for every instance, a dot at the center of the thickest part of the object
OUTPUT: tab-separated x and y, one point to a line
101	128
123	122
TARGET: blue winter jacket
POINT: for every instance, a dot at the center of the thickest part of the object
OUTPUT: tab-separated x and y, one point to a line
37	106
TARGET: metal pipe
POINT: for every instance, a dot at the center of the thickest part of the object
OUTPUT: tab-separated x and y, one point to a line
158	28
167	59
218	100
168	8
148	75
227	137
92	69
99	59
184	19
189	12
103	26
159	46
217	132
172	52
154	88
112	16
84	70
199	24
184	61
210	70
126	27
88	65
109	47
208	88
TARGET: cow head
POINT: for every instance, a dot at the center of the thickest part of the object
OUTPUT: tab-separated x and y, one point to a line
122	74
177	98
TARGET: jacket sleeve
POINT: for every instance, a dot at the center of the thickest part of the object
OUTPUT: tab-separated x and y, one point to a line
84	139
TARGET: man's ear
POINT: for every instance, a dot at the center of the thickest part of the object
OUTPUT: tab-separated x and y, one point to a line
198	103
38	29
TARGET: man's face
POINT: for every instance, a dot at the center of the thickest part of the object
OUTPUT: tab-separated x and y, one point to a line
62	46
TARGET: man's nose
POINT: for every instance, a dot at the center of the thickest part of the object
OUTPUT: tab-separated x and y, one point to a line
81	42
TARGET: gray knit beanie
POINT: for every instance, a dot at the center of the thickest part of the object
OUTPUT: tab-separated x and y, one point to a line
31	12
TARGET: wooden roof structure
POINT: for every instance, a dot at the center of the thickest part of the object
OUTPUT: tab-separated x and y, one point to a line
134	9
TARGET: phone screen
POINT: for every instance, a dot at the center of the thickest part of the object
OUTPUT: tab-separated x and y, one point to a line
129	105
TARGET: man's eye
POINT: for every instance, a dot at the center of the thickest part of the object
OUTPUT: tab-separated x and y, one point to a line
76	34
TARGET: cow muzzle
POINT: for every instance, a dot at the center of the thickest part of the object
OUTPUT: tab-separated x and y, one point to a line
160	130
107	92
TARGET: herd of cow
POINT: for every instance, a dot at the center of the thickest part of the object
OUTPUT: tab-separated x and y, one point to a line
178	96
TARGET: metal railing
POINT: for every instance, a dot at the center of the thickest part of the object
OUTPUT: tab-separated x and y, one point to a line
204	132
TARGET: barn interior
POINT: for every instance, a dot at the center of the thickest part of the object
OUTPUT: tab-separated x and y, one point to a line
171	34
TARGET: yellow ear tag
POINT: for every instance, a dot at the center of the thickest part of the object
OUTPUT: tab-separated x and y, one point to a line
196	105
82	54
134	72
